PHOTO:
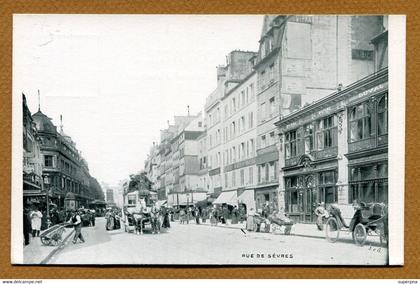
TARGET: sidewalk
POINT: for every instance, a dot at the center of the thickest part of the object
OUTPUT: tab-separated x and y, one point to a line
298	229
38	253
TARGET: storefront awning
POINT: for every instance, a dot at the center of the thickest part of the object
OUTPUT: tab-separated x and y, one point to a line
228	197
247	198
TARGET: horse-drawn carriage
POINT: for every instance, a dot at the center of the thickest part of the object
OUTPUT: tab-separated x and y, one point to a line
364	220
141	218
275	223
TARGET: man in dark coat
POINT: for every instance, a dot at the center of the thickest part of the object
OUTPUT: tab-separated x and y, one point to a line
27	229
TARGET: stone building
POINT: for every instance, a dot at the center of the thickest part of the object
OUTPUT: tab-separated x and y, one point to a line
239	151
65	173
335	150
302	59
185	163
32	159
238	66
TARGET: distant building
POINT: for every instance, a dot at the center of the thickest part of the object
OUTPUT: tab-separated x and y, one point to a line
110	195
65	173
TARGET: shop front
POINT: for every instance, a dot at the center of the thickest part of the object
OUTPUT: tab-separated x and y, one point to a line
304	192
266	195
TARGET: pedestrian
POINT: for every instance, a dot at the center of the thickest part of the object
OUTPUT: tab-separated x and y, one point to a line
213	216
92	218
26	226
321	213
36	217
235	215
250	220
182	216
204	215
76	221
197	216
165	224
54	217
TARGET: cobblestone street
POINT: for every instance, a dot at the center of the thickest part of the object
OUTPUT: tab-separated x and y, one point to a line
203	244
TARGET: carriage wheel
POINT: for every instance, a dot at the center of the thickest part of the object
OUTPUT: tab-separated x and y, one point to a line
332	230
45	241
359	234
54	242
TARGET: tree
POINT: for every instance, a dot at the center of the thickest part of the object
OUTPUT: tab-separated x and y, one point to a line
139	181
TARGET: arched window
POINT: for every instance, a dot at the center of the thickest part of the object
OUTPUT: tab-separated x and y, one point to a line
360	122
383	115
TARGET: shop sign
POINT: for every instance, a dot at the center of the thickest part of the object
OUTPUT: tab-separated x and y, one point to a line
371	91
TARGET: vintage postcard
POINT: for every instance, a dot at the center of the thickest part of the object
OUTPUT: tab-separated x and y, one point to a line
208	139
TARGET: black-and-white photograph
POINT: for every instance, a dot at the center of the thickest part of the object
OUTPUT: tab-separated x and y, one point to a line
207	139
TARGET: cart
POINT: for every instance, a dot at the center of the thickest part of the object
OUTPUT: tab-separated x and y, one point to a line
53	236
367	219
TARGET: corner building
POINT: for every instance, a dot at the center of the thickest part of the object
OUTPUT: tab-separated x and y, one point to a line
302	59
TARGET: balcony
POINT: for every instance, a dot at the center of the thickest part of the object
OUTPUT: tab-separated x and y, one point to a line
323	154
365	144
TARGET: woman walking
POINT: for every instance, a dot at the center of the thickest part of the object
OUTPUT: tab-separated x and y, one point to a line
36	217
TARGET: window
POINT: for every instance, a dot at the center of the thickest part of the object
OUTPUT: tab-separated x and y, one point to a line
234	104
226	111
263	141
259	173
252	91
226	180
309	137
327	188
243	98
383	116
263	112
250	175
291	147
360	122
251	120
267	172
369	183
200	124
48	161
243	150
243	123
327	133
234	153
242	173
233	178
252	147
271	72
272	138
247	149
233	129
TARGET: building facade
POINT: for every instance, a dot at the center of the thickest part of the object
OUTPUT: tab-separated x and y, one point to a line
335	150
239	145
32	158
302	59
65	174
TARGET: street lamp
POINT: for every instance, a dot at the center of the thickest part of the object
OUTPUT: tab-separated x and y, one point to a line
188	207
47	193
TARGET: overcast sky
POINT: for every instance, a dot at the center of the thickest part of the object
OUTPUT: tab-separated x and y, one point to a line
118	79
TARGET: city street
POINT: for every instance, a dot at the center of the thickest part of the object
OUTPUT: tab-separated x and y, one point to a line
202	244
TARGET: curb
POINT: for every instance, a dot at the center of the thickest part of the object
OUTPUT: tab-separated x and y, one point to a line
57	249
292	234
